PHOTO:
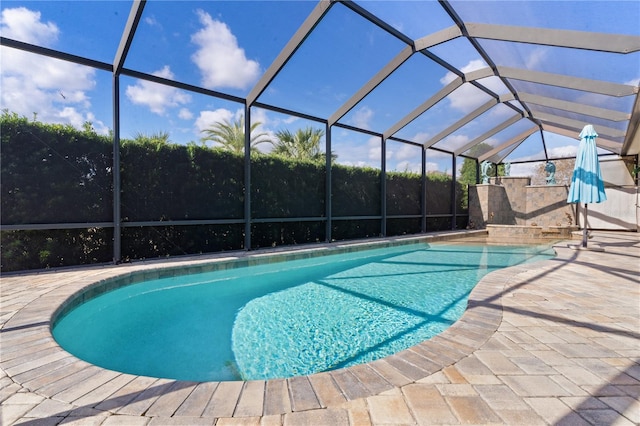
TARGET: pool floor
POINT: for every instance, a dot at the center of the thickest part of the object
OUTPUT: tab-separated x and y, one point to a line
284	319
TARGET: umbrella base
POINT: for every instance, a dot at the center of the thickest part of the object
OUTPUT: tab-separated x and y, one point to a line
593	247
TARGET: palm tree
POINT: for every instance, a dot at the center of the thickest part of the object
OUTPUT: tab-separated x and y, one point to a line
155	139
303	145
230	135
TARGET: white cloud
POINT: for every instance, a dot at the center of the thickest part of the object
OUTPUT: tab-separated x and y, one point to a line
54	90
473	65
523	169
495	84
455	141
73	116
466	97
13	90
207	118
259	115
431	166
266	126
407	152
221	61
185	114
98	125
357	163
362	118
537	56
530	169
421	137
357	152
448	78
375	149
404	157
23	24
291	119
157	97
563	151
432	154
152	22
47	73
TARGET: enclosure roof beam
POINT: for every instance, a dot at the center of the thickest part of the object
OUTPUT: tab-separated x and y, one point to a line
441	94
178	85
578	125
355	7
479	74
289	49
601	141
438	37
56	54
380	76
485	56
577	108
514	119
420	44
559	80
515	140
127	34
464	120
602	42
508	152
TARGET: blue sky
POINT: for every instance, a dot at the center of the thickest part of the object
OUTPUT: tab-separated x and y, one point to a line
227	45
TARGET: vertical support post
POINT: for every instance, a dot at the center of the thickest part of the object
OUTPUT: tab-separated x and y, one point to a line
327	192
423	198
117	230
383	187
454	201
247	177
121	54
477	171
585	234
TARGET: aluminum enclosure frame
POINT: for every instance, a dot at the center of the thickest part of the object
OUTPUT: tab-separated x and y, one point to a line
521	102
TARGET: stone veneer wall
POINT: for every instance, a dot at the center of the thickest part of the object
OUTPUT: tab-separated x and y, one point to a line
515	191
508	234
547	206
512	201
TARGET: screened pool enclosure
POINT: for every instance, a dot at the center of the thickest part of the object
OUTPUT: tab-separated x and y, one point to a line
143	129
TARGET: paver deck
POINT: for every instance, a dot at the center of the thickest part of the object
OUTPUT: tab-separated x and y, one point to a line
554	342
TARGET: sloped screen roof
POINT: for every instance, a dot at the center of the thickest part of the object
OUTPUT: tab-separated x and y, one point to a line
492	80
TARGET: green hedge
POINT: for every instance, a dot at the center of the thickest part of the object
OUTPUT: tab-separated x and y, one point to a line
283	188
355	191
403	193
162	241
57	174
53	174
22	250
175	182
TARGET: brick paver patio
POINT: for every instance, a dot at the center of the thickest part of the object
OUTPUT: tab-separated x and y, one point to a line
555	342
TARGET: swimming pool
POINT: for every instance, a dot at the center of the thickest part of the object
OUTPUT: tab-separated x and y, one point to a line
283	319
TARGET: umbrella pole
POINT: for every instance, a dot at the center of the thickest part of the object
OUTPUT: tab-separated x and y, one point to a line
584	229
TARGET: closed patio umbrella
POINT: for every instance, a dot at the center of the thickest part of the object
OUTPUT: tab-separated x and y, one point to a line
587	185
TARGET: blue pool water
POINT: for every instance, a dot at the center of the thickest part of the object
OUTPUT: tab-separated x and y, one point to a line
283	319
